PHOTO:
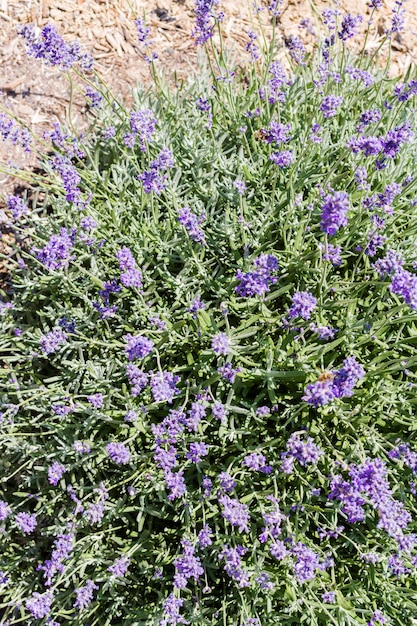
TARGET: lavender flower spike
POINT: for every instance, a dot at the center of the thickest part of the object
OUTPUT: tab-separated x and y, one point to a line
334	212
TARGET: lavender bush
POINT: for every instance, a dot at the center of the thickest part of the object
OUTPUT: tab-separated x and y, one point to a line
210	346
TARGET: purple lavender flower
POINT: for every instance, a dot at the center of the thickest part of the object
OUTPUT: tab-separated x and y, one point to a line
155	179
338	384
142	126
314	136
219	411
96	400
137	378
263	411
126	259
187	566
119	567
306	564
175	483
171	427
53	49
70	177
403	452
377	616
358	74
347	377
164	386
204	537
303	304
62	410
220	344
138	347
27	522
370	116
370	557
258	281
369	145
386	199
109	287
204	21
84	595
195	415
350	24
264	582
283	158
5	510
81	447
227	483
403	92
272	529
235	512
4	579
39	605
251	46
172	606
207	486
196	305
296	48
332	254
118	453
404	284
142	30
278	550
9	131
277	132
165	459
131	276
396	138
398	13
53	340
155	320
164	160
330	104
329	597
303	450
93	97
275	84
257	462
233	564
16	206
228	373
88	223
369	480
191	223
61	551
55	473
57	252
94	512
197	451
131	416
329	18
361	178
324	332
240	186
334	212
390	264
109	132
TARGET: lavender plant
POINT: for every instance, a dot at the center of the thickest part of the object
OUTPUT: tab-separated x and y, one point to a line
209	345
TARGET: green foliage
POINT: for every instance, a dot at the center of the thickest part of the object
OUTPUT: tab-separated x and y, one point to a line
279	214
